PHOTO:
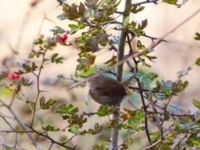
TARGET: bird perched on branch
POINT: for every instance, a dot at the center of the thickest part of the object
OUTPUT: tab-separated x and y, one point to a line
106	91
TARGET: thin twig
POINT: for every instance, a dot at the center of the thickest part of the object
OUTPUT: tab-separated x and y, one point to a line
140	92
51	146
20	123
7	122
52	140
145	2
38	87
157	118
173	135
154	44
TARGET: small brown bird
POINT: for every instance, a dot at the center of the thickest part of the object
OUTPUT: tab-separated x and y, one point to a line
106	91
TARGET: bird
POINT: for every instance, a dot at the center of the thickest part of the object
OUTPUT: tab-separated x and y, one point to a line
106	91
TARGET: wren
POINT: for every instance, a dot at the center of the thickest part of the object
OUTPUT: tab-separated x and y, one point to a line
105	90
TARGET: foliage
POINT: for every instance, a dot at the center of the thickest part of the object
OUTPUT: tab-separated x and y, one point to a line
172	128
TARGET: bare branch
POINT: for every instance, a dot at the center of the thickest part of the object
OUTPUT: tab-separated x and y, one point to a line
20	123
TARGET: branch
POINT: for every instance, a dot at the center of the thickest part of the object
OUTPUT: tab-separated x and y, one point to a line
157	118
145	2
120	56
153	38
52	140
173	135
154	44
45	135
140	92
20	123
38	87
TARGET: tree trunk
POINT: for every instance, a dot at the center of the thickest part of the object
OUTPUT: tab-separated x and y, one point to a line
120	56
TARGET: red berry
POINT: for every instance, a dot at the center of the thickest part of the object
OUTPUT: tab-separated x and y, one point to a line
13	75
62	37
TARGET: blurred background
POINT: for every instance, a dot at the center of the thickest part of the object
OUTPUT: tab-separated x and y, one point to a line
20	25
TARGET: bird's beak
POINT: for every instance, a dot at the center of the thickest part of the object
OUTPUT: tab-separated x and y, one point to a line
129	91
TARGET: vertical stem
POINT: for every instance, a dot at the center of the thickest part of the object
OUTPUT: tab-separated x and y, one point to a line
120	53
114	130
120	56
140	92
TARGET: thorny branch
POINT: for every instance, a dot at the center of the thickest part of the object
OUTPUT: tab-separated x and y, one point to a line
190	127
21	124
38	86
145	2
151	46
154	44
140	92
52	140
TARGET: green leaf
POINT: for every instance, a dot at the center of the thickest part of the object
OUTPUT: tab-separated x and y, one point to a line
75	119
197	62
56	59
5	92
154	135
26	67
50	128
81	9
74	129
29	67
137	29
63	139
146	78
173	2
101	145
86	61
53	57
61	16
73	11
197	36
8	148
126	21
67	109
44	104
76	27
163	89
140	46
194	140
134	122
39	40
33	54
85	73
179	86
105	110
57	30
97	129
143	24
196	103
25	82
